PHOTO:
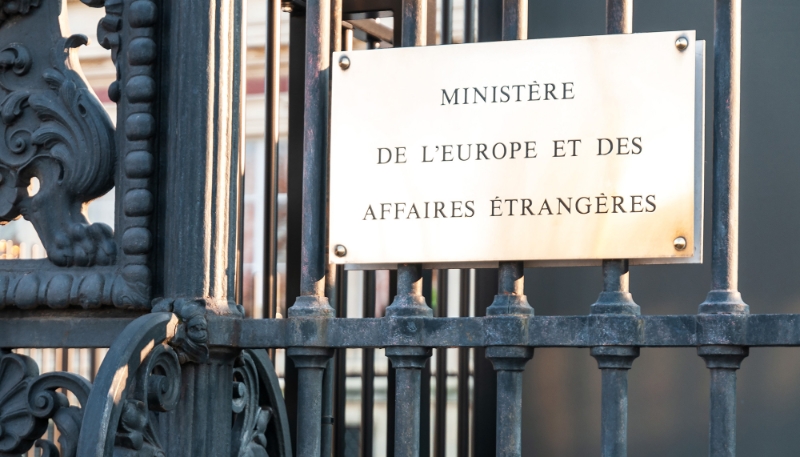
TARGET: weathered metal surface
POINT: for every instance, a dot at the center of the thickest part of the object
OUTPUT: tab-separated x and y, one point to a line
161	153
536	331
71	330
56	131
724	295
578	153
756	330
31	400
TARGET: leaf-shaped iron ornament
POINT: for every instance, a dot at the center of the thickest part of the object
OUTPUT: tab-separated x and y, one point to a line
28	401
52	128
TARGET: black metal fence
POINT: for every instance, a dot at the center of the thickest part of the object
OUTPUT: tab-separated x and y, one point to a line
721	331
174	374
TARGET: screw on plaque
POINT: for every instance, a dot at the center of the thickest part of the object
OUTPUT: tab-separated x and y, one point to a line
344	62
682	43
680	243
340	250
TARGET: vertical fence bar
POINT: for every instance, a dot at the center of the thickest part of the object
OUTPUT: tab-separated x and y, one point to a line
391	382
724	296
722	361
414	23
408	362
425	383
462	437
340	358
368	370
409	302
619	16
484	387
614	362
340	427
294	195
440	418
312	302
469	21
515	20
271	136
310	363
333	282
447	21
509	362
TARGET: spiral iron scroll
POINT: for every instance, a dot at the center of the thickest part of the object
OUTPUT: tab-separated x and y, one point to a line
29	400
140	383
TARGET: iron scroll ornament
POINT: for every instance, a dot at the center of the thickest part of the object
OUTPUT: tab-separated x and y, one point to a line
54	129
125	410
29	400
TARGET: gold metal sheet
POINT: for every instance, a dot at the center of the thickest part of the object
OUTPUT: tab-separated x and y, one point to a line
419	160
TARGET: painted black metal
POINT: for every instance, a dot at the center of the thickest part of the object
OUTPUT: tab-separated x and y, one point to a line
312	300
333	284
425	382
534	331
509	362
391	381
340	369
484	399
614	362
689	330
197	340
310	363
440	416
368	371
447	22
462	435
294	217
271	134
469	21
408	363
724	296
722	361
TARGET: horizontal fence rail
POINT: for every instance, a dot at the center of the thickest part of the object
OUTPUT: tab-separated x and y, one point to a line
541	331
754	330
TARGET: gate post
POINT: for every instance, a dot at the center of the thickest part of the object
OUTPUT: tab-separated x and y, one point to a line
196	268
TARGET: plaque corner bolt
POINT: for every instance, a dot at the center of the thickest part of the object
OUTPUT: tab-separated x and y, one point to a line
682	43
344	62
340	250
680	243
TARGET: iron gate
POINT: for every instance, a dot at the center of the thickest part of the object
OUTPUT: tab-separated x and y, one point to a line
163	290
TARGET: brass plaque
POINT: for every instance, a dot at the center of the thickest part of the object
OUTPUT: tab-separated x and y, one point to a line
559	151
